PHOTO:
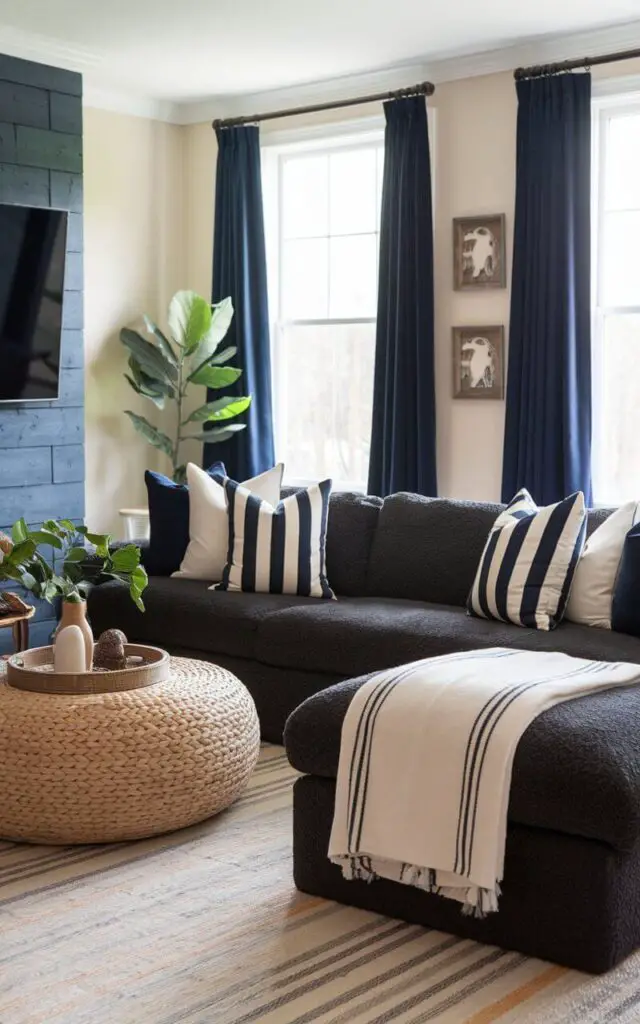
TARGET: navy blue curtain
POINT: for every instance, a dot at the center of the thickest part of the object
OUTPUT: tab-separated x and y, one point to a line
240	270
403	435
547	442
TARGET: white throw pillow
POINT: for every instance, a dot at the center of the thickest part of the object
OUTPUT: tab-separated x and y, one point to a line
595	578
206	556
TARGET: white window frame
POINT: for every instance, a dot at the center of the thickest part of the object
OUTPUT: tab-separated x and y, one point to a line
609	101
348	134
276	147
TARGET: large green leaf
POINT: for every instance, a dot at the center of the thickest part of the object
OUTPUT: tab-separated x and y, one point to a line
45	537
148	356
221	409
147	386
151	433
217	433
216	376
221	318
148	383
189	320
126	559
158	400
223	355
137	582
19	531
76	555
162	340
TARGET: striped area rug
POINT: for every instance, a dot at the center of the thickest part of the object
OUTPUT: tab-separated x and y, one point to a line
204	926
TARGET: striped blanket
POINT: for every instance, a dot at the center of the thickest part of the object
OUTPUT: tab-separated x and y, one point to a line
425	765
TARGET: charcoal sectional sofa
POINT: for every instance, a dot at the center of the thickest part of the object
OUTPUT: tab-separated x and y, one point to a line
402	570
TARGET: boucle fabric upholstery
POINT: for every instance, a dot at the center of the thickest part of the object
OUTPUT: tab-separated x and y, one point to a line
576	769
564	898
288	647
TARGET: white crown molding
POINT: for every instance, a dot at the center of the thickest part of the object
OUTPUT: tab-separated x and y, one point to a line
450	67
47	50
384	79
126	103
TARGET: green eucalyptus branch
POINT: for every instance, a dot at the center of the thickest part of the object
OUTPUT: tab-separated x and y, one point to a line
85	559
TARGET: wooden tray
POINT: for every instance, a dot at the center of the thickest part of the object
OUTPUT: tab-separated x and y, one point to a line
27	671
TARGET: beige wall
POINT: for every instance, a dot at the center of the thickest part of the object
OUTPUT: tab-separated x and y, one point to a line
475	174
134	260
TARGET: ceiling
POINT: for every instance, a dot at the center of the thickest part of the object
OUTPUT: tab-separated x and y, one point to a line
188	50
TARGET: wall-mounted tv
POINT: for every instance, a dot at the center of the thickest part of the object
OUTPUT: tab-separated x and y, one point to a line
33	245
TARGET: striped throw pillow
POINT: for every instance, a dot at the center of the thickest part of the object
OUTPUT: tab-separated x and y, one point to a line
277	550
528	563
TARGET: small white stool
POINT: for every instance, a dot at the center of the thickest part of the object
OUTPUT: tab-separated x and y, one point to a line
136	523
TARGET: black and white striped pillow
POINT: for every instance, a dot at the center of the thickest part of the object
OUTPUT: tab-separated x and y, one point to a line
528	563
277	550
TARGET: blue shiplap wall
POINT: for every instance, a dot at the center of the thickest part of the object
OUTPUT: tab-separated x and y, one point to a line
42	446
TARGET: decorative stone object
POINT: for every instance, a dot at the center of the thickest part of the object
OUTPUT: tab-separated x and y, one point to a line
69	651
109	650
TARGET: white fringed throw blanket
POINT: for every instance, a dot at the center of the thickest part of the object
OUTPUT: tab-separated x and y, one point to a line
425	765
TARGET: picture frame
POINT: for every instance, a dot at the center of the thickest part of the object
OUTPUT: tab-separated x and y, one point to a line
479	257
478	362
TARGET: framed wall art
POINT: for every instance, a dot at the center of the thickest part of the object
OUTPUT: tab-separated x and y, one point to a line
479	252
478	362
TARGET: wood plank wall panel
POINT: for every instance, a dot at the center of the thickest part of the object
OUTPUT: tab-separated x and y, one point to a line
42	446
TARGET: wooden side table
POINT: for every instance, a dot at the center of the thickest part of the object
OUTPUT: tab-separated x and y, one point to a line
19	624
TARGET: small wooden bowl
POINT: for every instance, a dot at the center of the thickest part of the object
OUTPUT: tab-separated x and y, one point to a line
30	671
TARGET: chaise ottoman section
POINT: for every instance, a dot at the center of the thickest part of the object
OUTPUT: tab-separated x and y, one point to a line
571	890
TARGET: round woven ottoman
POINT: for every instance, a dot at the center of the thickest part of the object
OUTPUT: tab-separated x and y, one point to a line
107	767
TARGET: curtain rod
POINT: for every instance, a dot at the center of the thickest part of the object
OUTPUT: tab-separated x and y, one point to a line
540	70
422	89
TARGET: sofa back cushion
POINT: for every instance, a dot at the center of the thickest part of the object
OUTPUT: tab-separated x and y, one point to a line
428	549
353	519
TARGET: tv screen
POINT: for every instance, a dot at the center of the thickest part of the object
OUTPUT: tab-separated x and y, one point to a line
33	245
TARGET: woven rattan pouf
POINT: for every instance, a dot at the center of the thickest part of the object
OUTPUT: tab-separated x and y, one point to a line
113	766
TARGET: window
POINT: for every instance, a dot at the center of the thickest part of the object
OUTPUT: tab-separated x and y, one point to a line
322	216
616	364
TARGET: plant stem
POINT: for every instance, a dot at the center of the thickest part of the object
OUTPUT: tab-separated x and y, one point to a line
181	394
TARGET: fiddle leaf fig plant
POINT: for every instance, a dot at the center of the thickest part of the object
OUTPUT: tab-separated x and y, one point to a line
162	368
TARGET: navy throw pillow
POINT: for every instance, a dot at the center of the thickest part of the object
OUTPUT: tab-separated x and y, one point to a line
168	521
625	608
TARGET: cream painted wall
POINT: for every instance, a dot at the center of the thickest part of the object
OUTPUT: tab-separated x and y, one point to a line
135	244
475	174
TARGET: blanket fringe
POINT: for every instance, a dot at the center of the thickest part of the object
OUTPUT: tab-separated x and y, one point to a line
476	901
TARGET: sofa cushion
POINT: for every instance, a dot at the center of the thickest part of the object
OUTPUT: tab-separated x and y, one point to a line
185	613
353	519
428	549
357	635
576	769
